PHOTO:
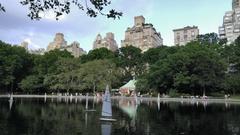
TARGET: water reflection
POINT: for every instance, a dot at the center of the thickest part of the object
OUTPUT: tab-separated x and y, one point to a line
10	102
106	128
60	117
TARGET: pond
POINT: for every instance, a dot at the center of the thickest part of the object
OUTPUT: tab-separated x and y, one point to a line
65	117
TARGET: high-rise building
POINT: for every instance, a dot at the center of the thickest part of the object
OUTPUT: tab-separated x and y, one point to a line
235	4
74	49
39	51
231	23
142	35
185	35
58	42
108	42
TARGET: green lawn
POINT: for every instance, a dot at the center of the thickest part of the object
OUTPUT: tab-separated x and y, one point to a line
235	97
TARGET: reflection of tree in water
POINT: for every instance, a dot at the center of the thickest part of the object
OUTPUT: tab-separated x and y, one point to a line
187	119
37	118
51	118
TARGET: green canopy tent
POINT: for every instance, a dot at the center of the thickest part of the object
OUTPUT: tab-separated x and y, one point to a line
128	88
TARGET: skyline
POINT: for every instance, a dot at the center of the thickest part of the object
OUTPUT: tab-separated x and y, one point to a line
84	30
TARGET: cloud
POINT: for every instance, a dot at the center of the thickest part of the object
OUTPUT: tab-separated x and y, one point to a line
165	15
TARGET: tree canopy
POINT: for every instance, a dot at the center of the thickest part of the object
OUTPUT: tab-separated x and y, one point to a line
92	8
197	68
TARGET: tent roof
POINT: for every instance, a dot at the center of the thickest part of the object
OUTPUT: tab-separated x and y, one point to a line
129	85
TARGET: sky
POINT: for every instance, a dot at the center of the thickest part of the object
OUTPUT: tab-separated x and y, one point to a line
165	15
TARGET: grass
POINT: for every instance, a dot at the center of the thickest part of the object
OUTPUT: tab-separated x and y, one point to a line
235	97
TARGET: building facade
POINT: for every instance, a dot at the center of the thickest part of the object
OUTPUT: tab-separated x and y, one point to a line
231	23
235	4
185	35
39	51
142	35
58	42
74	49
108	42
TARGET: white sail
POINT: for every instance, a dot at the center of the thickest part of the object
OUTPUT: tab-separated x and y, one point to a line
10	101
107	106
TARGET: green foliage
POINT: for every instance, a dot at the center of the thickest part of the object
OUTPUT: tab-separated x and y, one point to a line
208	39
154	54
130	61
15	64
232	84
32	83
92	8
97	74
196	68
97	54
192	69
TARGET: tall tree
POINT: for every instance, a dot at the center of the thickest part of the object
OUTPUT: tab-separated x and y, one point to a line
194	68
97	74
208	39
97	54
130	60
15	64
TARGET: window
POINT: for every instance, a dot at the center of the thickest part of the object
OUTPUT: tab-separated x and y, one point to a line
178	38
185	37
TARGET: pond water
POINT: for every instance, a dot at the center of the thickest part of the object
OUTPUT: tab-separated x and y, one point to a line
64	117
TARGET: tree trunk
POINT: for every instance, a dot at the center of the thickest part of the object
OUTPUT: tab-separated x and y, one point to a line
94	88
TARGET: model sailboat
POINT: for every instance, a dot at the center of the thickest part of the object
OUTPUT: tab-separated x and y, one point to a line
10	101
107	107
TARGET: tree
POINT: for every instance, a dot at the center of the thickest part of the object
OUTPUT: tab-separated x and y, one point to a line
48	61
93	8
95	75
2	9
130	60
15	64
194	68
154	54
223	41
232	84
32	84
208	39
97	54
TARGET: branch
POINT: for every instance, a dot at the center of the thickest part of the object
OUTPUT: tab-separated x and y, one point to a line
60	7
2	9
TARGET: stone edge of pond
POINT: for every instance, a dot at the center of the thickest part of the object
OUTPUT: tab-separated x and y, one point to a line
210	100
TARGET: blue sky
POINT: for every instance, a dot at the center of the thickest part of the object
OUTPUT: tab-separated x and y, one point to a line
165	15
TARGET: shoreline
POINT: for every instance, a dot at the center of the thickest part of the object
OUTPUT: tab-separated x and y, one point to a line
182	100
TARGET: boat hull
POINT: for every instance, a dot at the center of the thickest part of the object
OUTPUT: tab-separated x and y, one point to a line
108	119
